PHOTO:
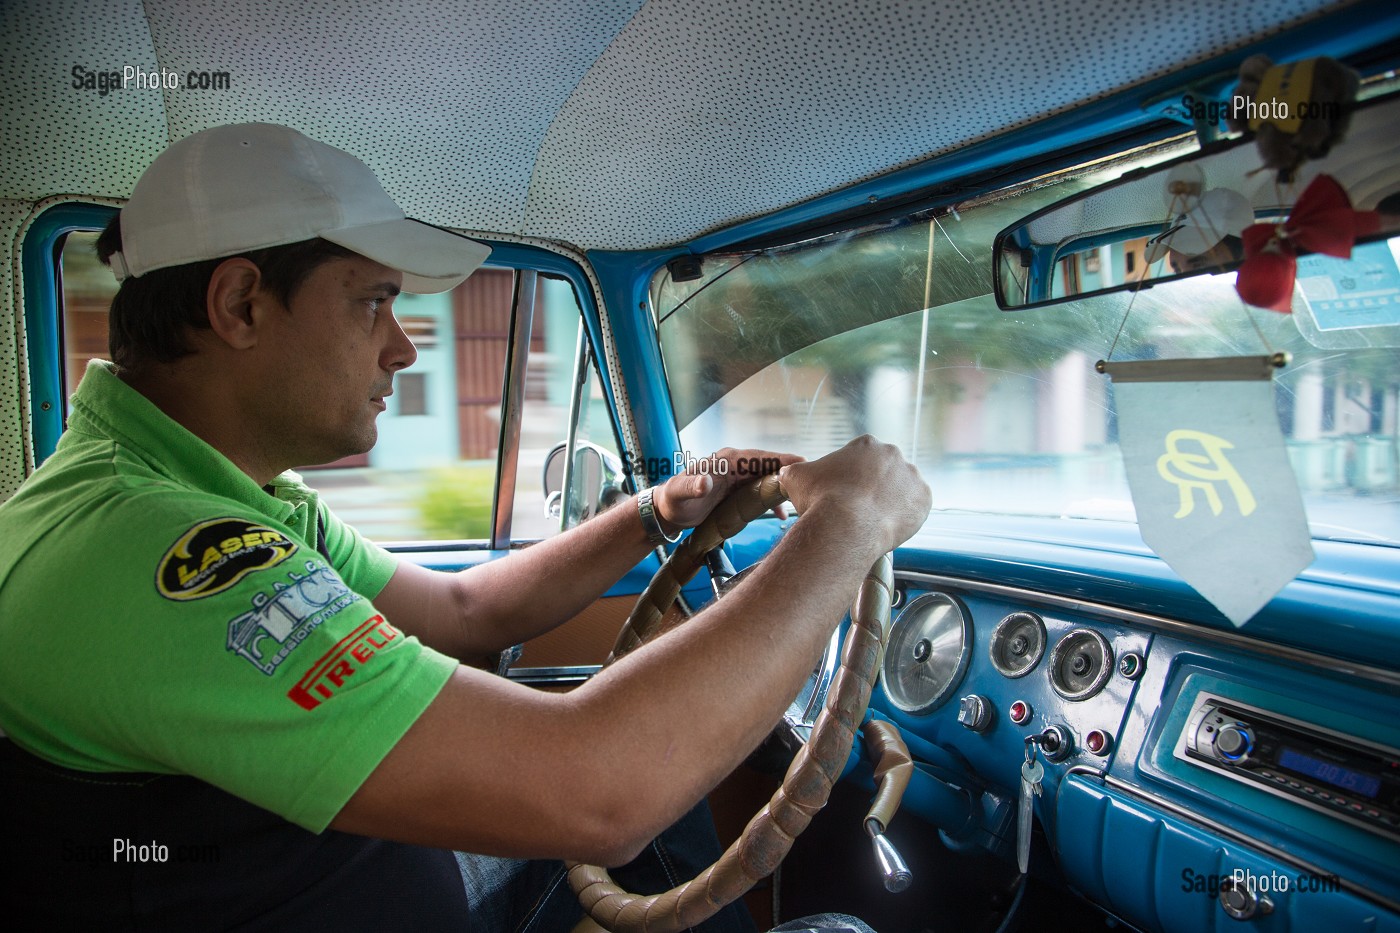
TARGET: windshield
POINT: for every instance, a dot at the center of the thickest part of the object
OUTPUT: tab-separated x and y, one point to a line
893	330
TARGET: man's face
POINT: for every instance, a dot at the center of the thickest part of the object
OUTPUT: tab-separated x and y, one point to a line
330	360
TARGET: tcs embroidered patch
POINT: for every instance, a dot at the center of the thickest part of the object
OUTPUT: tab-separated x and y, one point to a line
214	555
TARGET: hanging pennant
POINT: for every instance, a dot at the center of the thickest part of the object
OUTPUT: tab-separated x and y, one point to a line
1215	495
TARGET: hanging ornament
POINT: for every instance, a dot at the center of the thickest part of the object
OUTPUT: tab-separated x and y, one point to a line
1321	222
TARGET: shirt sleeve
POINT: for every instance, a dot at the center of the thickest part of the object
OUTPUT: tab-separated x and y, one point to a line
220	646
366	566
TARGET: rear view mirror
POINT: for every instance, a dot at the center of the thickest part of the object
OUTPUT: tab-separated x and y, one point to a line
1185	217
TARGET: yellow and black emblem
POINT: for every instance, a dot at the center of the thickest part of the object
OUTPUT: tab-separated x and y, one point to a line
214	555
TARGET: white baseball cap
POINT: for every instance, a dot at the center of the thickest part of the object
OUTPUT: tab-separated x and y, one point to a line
248	186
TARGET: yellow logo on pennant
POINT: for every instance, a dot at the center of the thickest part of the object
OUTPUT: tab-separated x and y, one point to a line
1201	471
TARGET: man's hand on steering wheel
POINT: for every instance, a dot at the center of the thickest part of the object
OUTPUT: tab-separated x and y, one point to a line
869	477
877	499
687	499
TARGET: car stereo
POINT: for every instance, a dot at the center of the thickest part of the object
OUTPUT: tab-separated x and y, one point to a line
1344	776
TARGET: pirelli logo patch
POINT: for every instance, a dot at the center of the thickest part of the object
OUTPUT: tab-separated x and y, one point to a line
214	555
329	674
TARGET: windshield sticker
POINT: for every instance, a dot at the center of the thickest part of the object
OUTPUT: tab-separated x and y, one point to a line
1215	493
288	615
214	555
1363	291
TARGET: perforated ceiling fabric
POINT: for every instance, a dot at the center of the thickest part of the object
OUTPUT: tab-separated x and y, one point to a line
447	102
702	114
611	124
15	459
60	139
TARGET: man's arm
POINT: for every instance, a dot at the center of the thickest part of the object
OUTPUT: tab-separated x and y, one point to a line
472	614
497	768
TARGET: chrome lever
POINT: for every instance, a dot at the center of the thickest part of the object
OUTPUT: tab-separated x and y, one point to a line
893	868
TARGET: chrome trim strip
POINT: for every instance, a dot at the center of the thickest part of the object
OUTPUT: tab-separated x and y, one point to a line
1087	771
537	676
513	400
1235	835
802	712
1165	626
580	377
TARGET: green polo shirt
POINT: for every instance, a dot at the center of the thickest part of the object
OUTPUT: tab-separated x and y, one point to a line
161	612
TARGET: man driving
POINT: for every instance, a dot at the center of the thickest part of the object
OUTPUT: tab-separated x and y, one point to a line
199	657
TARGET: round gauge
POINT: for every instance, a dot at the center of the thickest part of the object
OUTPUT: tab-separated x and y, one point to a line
927	654
1080	664
1018	644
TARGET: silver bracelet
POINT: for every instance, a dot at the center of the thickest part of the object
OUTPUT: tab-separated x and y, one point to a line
651	522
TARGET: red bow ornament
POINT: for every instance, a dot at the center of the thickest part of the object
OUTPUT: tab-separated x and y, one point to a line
1322	222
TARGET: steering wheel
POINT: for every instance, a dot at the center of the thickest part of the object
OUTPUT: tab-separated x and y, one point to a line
805	788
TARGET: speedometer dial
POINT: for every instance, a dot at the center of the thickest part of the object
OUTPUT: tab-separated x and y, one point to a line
927	654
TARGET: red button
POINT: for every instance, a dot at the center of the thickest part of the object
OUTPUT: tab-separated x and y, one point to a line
1020	712
1097	741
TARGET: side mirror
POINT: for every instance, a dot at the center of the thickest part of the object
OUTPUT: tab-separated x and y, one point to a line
596	482
1184	217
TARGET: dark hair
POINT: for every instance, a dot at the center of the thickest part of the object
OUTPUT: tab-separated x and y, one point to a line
151	315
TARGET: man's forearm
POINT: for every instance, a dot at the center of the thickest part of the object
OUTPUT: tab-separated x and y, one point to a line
596	772
534	590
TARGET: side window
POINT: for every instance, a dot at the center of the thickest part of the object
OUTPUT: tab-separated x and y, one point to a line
87	288
432	474
549	392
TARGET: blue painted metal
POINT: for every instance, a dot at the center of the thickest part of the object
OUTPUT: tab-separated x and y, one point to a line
43	341
1116	851
1300	694
1359	584
1159	872
625	279
1107	562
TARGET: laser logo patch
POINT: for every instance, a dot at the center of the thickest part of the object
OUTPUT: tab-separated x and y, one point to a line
214	555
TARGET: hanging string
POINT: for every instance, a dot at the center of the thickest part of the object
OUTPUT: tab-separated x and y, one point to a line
1282	195
1174	209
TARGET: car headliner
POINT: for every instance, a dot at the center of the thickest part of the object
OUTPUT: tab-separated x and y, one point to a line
606	124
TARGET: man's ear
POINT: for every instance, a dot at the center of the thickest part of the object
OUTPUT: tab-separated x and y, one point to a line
231	300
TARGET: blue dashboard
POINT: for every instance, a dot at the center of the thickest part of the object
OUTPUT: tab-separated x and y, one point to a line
1141	812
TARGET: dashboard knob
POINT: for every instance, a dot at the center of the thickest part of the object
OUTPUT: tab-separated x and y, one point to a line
1241	903
975	712
1234	741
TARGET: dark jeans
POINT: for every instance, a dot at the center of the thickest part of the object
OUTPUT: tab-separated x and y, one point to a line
522	896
